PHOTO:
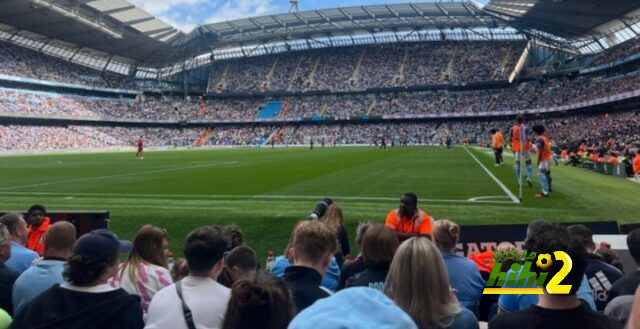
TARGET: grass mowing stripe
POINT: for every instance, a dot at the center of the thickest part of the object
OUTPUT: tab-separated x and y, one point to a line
495	179
86	179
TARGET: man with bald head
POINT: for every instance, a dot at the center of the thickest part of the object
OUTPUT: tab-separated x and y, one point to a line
58	242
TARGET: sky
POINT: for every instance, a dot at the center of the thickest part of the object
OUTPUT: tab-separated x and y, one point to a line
187	14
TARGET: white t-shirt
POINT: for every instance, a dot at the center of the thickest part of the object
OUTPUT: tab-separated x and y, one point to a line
206	298
149	280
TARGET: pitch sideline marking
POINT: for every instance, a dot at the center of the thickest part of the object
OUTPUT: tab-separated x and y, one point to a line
85	179
205	197
489	197
495	179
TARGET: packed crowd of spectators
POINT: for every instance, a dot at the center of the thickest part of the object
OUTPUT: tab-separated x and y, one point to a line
618	52
26	63
411	276
337	69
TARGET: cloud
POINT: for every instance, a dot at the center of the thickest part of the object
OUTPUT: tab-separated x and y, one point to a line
188	14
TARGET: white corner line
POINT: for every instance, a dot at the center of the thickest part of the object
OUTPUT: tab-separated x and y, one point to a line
495	179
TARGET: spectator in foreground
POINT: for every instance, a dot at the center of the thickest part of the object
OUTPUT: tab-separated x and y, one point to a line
354	308
600	275
86	300
311	250
38	226
355	266
628	284
557	311
264	303
409	220
7	275
58	244
241	263
335	220
331	278
21	257
236	237
417	282
205	298
463	274
145	271
179	270
379	244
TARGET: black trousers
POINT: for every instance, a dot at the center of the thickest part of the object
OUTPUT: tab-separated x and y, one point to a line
498	153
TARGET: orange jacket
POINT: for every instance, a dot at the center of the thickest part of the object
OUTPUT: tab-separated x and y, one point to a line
613	160
421	223
35	236
497	140
545	151
636	164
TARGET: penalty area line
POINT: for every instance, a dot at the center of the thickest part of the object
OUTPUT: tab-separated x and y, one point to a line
495	179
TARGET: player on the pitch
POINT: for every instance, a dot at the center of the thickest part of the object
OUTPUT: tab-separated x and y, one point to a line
139	155
520	134
543	146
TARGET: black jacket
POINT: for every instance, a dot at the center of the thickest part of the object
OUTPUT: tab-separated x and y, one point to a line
58	308
304	283
7	279
372	277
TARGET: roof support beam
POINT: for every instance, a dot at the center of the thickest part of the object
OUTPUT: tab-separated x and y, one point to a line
446	13
396	14
629	27
350	17
421	13
136	21
117	10
159	30
327	19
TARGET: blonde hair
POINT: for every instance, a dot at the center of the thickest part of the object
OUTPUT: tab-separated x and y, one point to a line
313	240
446	234
418	283
333	217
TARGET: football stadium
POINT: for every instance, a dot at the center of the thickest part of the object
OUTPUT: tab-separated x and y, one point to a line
365	164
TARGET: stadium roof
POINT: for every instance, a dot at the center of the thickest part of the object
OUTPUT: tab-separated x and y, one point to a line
346	21
112	26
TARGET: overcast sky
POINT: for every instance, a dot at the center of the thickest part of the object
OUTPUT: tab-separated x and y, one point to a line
187	14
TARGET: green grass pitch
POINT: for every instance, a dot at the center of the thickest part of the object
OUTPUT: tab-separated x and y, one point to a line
266	191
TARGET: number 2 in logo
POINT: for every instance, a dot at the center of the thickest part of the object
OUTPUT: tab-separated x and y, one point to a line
554	286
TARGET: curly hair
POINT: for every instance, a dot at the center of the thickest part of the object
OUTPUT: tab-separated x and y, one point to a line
82	271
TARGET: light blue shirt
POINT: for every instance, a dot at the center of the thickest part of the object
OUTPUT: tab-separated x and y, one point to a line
331	278
516	302
36	279
21	257
466	279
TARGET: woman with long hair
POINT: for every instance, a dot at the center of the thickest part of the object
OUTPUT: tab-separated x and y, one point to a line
418	284
335	220
145	272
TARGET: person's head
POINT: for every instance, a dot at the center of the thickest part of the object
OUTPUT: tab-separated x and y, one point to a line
361	229
557	238
493	131
235	235
379	244
59	239
507	247
204	250
536	226
408	205
418	283
265	303
179	270
242	263
519	119
5	244
584	236
36	214
94	259
313	244
538	129
150	245
446	235
17	227
633	243
610	257
333	217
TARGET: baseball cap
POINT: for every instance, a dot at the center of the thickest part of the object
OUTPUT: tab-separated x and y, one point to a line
100	244
354	308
